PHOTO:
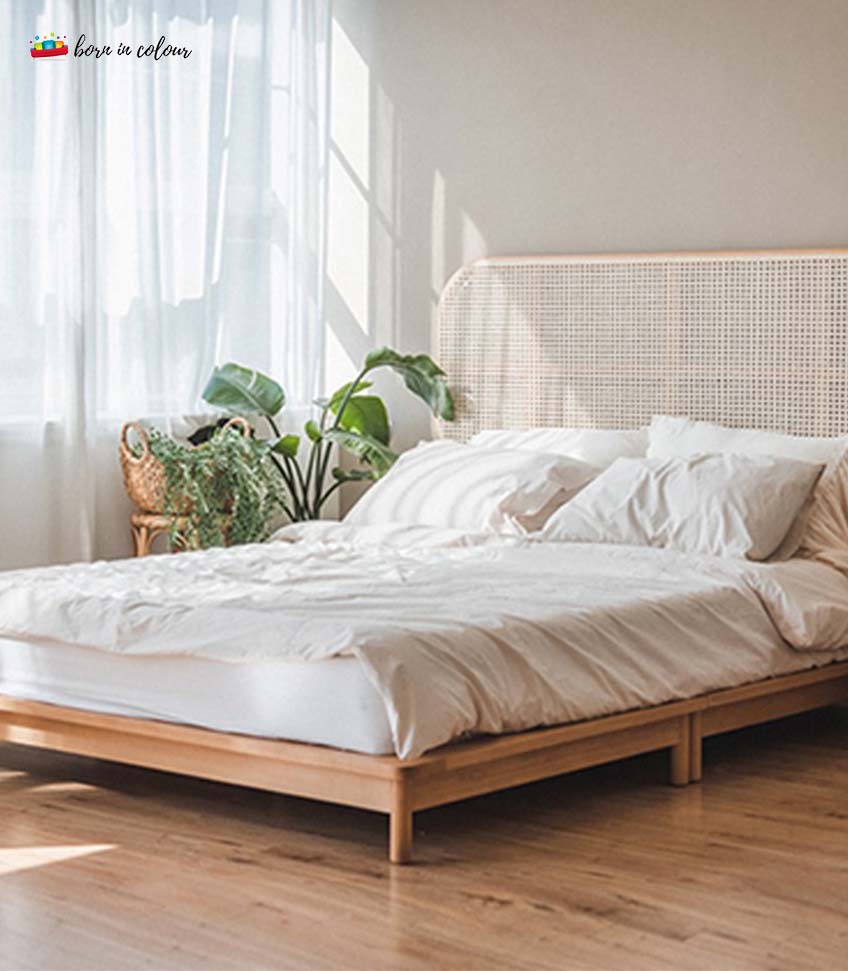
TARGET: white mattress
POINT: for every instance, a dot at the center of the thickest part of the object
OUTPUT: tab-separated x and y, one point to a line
458	634
329	702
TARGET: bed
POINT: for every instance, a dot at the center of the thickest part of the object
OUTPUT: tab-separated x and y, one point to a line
380	706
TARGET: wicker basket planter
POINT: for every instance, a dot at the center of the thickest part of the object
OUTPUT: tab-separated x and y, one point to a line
144	474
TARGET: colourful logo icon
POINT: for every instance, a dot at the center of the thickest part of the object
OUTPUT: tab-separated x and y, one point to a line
51	46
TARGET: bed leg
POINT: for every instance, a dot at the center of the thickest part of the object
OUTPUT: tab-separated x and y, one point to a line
695	747
680	754
400	823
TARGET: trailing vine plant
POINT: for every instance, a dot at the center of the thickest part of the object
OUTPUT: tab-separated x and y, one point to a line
224	491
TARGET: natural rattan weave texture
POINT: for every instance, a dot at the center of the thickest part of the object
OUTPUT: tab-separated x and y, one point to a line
144	475
755	339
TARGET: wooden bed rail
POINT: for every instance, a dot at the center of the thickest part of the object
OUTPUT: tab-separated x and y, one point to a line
448	774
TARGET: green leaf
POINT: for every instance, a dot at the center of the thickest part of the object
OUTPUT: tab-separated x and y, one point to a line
354	475
421	375
287	445
369	449
240	390
386	357
338	396
366	414
313	432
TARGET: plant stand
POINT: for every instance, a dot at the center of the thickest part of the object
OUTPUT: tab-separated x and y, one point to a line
146	527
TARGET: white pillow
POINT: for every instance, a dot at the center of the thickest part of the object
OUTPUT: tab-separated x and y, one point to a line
719	505
597	446
682	436
481	490
825	534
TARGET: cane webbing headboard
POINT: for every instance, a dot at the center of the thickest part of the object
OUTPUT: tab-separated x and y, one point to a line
757	339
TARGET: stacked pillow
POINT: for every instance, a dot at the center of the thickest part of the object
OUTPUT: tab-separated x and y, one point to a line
715	505
675	437
447	484
683	484
825	536
821	528
502	481
596	446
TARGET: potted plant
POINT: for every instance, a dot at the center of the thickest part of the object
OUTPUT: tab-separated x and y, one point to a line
218	488
351	419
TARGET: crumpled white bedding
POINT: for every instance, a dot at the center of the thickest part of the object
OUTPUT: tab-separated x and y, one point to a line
459	633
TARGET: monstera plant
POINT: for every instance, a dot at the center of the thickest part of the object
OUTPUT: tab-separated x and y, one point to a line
350	419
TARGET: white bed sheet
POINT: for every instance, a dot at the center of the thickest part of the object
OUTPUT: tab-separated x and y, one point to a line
323	702
458	634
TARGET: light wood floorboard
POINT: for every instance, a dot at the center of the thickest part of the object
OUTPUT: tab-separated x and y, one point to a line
109	867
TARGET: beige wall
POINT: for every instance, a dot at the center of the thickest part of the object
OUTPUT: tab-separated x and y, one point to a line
504	126
471	127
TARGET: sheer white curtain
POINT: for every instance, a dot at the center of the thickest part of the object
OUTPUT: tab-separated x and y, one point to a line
157	218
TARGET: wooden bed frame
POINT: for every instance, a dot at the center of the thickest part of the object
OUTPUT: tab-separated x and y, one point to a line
400	788
754	339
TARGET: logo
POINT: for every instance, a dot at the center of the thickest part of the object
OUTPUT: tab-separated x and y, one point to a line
51	46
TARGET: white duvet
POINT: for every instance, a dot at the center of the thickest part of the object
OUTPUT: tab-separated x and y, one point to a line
459	633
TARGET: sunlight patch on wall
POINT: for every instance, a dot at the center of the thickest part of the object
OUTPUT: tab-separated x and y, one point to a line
18	858
386	157
348	227
437	234
350	121
348	242
385	222
338	364
386	279
474	244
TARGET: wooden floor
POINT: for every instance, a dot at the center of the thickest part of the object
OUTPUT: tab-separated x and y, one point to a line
109	867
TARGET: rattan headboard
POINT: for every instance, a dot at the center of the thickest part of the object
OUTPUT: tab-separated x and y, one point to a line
755	339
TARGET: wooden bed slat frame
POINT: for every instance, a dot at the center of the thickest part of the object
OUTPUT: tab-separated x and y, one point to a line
755	338
459	771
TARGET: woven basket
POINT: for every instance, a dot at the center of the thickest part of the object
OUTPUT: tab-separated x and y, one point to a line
144	474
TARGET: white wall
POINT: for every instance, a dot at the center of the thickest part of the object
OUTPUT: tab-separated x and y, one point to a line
507	126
